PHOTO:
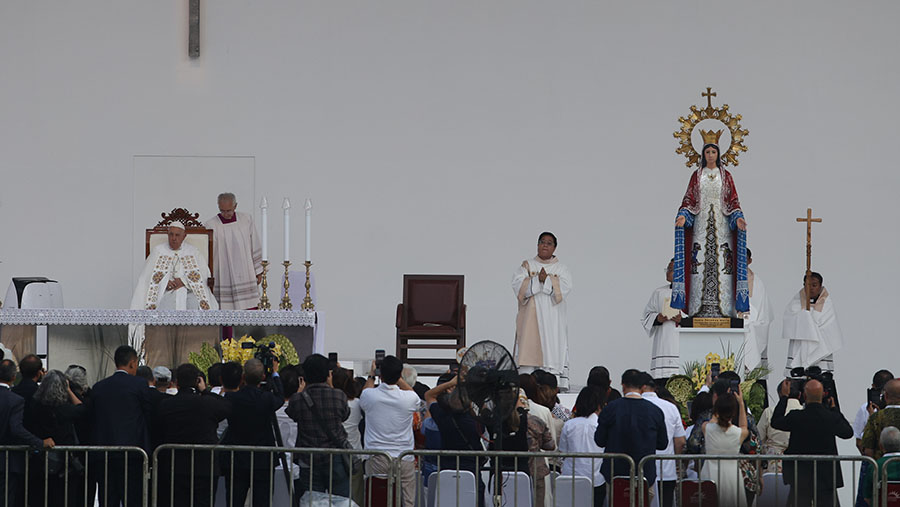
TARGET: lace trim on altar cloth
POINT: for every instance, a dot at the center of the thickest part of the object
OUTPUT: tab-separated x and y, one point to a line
108	317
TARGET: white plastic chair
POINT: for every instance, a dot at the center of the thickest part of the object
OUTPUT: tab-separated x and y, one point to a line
452	488
774	490
573	491
517	489
281	492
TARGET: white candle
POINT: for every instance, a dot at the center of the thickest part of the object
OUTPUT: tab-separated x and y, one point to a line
264	208
308	226
287	229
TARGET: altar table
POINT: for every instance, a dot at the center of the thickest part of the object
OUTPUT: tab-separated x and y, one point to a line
89	336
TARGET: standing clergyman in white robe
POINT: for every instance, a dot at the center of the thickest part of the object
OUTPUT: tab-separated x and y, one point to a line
237	256
661	321
814	334
174	278
542	286
756	322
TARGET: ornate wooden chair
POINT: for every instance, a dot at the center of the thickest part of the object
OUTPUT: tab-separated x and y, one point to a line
196	235
432	310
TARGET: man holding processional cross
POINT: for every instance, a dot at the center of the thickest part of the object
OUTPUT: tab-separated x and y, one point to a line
810	322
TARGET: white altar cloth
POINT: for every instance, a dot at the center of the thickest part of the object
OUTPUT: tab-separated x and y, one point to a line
121	317
696	343
111	317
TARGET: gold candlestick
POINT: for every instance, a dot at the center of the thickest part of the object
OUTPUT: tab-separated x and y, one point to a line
286	299
307	301
264	299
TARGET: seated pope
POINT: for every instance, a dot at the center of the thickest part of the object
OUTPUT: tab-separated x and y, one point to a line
174	277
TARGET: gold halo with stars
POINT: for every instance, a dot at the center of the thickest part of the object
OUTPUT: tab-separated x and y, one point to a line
721	114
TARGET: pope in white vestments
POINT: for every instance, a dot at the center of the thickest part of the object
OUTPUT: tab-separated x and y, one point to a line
174	278
661	321
542	287
814	334
237	256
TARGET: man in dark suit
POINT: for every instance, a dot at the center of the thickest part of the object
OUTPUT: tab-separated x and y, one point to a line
813	431
156	397
32	369
251	423
631	425
190	417
12	432
119	409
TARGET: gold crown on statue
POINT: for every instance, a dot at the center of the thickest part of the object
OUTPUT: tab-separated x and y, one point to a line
710	136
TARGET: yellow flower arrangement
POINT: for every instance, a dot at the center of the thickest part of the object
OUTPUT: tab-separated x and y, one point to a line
699	373
232	349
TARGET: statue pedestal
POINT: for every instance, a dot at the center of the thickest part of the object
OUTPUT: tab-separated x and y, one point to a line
695	343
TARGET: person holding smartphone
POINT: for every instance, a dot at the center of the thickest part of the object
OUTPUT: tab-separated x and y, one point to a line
389	410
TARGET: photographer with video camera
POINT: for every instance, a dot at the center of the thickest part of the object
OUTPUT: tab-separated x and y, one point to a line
813	431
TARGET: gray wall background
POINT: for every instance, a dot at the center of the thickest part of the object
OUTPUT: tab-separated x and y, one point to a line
441	137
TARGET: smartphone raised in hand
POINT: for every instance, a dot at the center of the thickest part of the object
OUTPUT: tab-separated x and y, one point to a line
714	371
874	396
379	357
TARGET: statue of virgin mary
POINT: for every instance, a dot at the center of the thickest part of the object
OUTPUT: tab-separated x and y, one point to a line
711	281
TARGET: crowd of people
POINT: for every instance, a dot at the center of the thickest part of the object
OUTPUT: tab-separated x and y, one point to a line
318	404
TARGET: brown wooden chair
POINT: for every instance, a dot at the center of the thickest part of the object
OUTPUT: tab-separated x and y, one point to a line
196	235
432	310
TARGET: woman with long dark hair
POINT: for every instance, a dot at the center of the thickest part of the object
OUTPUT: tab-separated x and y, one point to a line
459	430
599	378
578	436
52	413
723	437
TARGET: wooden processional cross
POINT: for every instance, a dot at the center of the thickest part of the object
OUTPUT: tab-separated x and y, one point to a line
194	28
809	221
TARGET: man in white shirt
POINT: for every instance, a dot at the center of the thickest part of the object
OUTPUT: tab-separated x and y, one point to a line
880	378
665	469
389	410
868	408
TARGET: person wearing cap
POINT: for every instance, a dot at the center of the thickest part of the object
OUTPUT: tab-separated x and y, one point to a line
174	278
163	378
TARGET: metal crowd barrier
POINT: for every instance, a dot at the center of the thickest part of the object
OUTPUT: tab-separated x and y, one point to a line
781	497
209	474
74	475
437	470
883	483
